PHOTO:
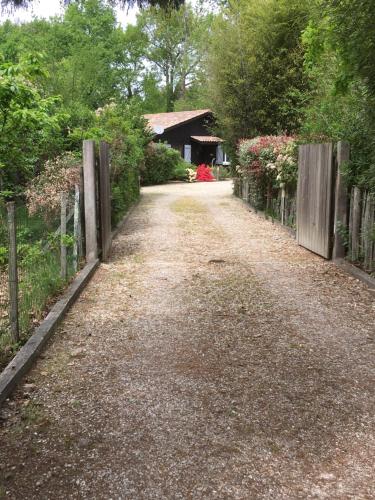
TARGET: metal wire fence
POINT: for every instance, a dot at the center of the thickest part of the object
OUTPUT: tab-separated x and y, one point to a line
35	270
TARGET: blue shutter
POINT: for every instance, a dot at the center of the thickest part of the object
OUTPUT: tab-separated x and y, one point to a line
219	154
187	153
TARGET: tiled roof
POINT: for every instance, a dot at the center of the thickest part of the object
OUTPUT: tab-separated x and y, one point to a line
205	139
170	120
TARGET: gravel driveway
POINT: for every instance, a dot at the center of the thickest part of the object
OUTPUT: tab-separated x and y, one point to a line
211	358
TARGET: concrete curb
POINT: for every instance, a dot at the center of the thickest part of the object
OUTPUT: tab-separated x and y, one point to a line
26	356
355	272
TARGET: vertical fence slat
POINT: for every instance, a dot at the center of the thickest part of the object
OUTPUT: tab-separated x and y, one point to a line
105	200
63	252
283	205
89	183
368	228
13	273
355	224
341	202
77	229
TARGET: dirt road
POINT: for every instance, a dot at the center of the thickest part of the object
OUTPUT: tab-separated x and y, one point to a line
212	358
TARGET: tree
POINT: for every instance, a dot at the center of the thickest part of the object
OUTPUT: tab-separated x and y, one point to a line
353	30
175	47
122	3
28	123
255	60
341	99
130	61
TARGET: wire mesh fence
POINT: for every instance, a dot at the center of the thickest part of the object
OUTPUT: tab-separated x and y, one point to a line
4	287
48	253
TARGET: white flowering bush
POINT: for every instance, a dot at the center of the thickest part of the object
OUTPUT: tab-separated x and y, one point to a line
59	175
191	174
271	159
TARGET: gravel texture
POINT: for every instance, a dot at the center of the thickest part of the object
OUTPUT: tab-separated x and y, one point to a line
211	358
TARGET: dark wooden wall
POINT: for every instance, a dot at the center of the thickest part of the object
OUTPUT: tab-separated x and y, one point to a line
181	135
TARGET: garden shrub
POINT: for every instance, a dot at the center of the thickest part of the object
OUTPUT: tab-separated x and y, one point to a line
180	170
268	163
160	164
122	126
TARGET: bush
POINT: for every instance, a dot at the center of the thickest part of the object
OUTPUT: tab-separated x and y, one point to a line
122	126
160	164
268	163
180	170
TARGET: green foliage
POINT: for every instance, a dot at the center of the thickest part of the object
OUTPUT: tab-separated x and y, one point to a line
28	122
353	36
160	163
3	256
340	102
176	41
125	130
179	171
256	78
267	163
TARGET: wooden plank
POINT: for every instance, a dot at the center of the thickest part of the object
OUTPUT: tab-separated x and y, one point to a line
77	229
314	198
63	249
356	224
245	191
341	202
368	228
89	183
105	200
13	272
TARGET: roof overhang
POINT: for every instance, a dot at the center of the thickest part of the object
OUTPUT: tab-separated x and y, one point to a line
159	121
207	139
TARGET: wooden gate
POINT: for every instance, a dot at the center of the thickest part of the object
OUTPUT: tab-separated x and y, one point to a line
315	193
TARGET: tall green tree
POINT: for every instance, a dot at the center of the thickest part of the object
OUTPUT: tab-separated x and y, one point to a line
29	123
175	47
341	99
122	3
255	62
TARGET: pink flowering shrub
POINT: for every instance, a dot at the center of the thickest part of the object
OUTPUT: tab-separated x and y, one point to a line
272	157
59	175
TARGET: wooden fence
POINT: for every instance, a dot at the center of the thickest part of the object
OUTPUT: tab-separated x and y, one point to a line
347	217
361	230
281	206
94	235
314	198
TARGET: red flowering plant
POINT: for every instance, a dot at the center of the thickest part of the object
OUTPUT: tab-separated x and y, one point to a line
268	157
268	163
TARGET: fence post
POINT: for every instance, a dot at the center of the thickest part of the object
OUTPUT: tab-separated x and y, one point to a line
341	202
105	200
13	273
77	229
245	191
367	228
282	204
63	261
90	200
355	224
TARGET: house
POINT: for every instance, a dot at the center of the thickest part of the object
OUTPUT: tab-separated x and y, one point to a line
190	133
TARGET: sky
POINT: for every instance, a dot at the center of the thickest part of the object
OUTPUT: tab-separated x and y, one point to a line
48	8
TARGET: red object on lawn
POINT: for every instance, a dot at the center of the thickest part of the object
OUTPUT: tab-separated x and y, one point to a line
204	173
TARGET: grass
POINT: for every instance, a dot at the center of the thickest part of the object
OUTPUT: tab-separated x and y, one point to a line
39	277
188	205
